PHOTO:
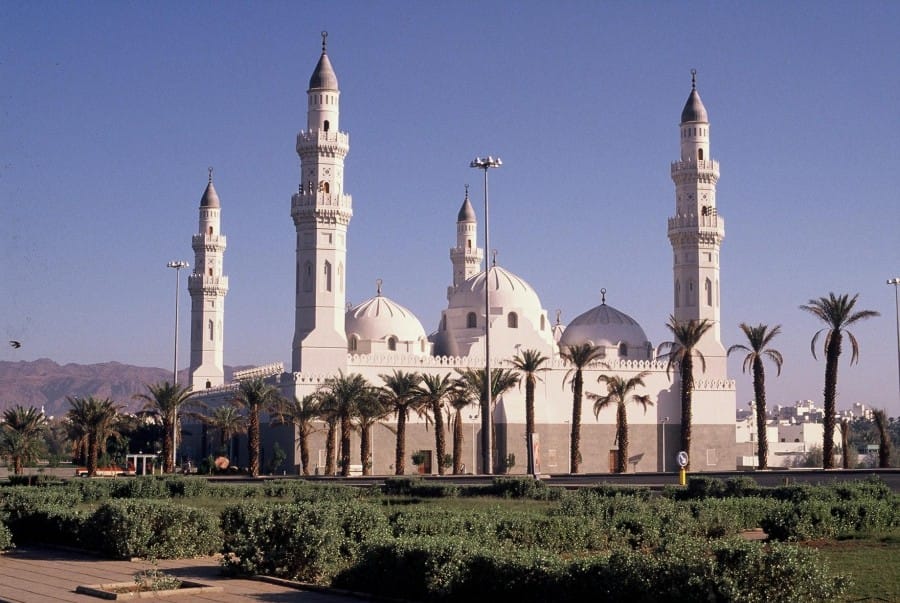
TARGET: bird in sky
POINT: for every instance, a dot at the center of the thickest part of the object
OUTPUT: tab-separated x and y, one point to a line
15	344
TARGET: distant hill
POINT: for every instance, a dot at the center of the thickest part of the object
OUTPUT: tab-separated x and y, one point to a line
44	383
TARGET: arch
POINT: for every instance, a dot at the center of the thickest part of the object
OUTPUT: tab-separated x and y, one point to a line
700	154
677	293
392	343
327	274
326	126
208	384
210	231
512	320
210	272
623	350
471	320
353	343
326	187
543	322
709	293
308	277
211	327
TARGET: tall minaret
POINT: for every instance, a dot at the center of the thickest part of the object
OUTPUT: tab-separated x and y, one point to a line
466	256
696	231
321	213
208	288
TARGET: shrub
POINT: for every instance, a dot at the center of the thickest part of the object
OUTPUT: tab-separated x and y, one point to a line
6	539
522	487
39	479
153	528
416	487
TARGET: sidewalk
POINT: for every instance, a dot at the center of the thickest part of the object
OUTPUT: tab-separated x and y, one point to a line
34	574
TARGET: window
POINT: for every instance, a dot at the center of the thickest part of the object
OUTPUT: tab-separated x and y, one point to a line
326	187
210	272
471	320
700	154
327	275
623	350
210	230
543	322
708	287
208	384
512	320
327	126
677	293
392	344
353	344
211	330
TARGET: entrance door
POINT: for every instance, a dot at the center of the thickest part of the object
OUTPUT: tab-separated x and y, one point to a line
613	460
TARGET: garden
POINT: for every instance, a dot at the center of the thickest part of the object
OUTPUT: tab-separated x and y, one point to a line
515	539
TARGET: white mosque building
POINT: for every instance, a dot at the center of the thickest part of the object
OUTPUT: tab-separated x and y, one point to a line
380	335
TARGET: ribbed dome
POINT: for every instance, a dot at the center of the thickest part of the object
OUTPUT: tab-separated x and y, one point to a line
694	109
606	326
378	318
508	291
210	198
466	212
323	77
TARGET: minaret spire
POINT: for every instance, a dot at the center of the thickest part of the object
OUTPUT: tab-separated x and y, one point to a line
466	256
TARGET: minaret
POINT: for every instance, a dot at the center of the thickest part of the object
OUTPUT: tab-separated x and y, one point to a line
321	213
466	256
696	231
208	288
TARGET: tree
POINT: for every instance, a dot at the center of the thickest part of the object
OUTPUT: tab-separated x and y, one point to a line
459	399
884	438
301	413
501	381
579	356
432	393
845	443
164	400
256	396
370	409
343	393
530	363
619	392
22	436
759	338
228	422
836	311
399	393
681	351
93	423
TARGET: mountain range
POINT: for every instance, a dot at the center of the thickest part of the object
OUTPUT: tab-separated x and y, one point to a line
45	384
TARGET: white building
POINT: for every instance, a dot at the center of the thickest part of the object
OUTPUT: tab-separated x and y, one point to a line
381	335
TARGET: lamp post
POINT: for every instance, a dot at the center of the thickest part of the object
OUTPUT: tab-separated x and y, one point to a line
895	282
484	164
665	421
177	265
474	462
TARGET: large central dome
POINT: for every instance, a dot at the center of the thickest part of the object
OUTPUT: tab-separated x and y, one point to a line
507	291
605	326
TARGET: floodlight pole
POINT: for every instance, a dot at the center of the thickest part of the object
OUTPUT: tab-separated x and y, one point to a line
896	282
177	265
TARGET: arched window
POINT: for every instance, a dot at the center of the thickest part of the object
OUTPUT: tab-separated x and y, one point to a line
210	272
677	293
700	154
709	294
327	275
543	322
210	230
392	344
512	320
211	330
623	350
353	344
308	277
326	187
469	243
326	126
471	320
208	384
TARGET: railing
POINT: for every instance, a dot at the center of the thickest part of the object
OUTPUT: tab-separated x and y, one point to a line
710	165
265	370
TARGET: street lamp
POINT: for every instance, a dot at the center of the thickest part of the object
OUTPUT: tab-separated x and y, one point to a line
895	282
484	164
474	462
177	265
665	421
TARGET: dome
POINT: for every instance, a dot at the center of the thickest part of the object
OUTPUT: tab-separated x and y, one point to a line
693	108
466	212
507	291
210	198
323	77
379	318
604	326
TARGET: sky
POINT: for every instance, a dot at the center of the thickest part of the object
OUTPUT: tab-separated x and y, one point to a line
111	113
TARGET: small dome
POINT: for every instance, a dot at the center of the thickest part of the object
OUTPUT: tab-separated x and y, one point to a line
210	198
466	212
508	291
693	108
378	318
604	326
323	77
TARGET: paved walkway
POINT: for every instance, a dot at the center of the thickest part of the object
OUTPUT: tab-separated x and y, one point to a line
34	574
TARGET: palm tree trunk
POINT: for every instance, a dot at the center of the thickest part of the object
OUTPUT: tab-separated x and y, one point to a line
439	439
345	444
93	454
575	452
759	392
529	423
622	437
253	441
687	394
365	447
168	465
458	443
399	457
329	446
832	355
303	443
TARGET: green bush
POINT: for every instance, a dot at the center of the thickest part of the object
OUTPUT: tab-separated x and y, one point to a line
39	479
419	488
6	539
522	487
830	518
154	528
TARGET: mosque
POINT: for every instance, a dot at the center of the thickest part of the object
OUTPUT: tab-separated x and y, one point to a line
380	335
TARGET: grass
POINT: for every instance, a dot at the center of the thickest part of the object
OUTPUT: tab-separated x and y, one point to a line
872	561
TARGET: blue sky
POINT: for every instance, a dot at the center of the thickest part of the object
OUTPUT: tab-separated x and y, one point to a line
110	113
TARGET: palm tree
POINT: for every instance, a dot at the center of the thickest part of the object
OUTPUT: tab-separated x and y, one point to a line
301	413
93	422
164	401
257	397
399	394
617	392
21	436
579	356
884	438
343	393
687	336
228	422
370	409
432	393
845	443
759	338
459	399
837	314
501	381
530	362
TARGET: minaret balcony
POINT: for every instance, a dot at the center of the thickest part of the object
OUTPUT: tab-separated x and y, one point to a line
312	140
208	242
209	285
320	199
694	167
